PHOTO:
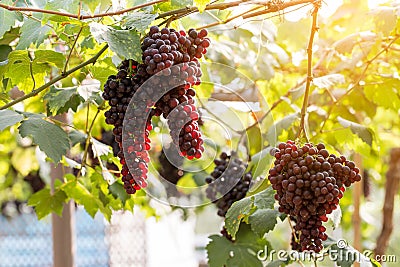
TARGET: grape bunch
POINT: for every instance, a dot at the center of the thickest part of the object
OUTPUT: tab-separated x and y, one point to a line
170	59
228	181
309	183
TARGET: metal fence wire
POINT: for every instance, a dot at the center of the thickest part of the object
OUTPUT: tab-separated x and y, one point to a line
27	242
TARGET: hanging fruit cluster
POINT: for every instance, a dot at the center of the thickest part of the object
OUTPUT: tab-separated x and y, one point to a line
161	85
309	183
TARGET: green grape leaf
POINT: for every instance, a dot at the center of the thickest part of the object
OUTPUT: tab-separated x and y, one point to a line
125	43
139	21
44	202
254	139
60	100
10	36
103	69
82	196
275	130
365	133
4	52
9	118
237	212
384	94
91	4
21	67
70	6
32	31
265	199
8	18
241	253
261	162
76	137
118	191
263	220
201	4
50	138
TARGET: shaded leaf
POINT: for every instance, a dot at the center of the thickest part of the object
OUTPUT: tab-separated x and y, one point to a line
76	137
139	21
239	210
125	43
60	100
265	199
241	253
82	196
7	18
32	31
50	138
261	162
365	133
263	220
9	118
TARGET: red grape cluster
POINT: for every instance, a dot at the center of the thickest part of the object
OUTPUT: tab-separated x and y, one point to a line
228	181
170	59
309	183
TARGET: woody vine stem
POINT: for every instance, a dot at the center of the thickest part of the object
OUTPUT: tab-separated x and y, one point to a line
314	29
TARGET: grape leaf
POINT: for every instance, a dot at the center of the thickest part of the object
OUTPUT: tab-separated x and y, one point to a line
239	210
9	118
263	220
125	43
8	18
365	133
50	138
4	51
261	162
201	4
45	202
275	130
254	139
241	253
265	199
82	196
76	137
384	94
21	67
60	100
32	31
139	21
328	80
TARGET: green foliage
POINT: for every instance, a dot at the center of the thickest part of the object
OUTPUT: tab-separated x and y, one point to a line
9	118
125	43
45	202
60	100
243	252
253	210
50	138
27	71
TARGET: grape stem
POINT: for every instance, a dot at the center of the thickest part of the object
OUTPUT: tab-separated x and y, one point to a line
56	79
314	29
79	16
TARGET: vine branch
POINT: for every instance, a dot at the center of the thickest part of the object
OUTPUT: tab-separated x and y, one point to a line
72	49
314	29
56	79
79	16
